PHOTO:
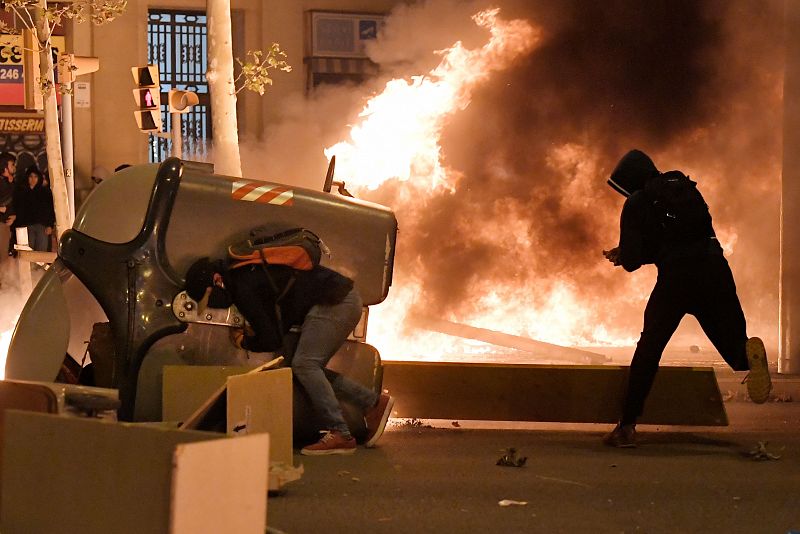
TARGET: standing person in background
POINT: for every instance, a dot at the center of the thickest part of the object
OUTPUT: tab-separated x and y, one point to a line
33	202
665	221
8	167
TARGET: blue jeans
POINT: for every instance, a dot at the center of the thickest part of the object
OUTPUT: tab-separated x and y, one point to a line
324	330
37	238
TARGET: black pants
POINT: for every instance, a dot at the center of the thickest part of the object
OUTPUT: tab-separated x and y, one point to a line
702	287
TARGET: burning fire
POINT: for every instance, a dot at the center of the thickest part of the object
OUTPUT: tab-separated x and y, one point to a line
398	138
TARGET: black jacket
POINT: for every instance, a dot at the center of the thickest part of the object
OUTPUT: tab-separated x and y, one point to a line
34	206
644	240
6	198
256	296
643	236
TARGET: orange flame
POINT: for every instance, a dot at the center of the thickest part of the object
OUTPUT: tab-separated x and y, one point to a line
399	134
398	138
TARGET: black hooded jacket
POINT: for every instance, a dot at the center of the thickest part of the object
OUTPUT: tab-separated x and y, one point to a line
642	237
6	198
255	296
34	205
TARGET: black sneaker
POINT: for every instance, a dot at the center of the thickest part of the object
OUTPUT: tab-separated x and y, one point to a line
623	437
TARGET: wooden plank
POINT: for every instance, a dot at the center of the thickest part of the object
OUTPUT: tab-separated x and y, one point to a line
549	393
543	350
36	256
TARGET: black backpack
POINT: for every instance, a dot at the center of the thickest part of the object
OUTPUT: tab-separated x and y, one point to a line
680	211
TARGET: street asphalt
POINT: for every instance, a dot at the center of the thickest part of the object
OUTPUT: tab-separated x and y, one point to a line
443	477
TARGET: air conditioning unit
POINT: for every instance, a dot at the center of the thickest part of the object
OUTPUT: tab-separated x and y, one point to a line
342	34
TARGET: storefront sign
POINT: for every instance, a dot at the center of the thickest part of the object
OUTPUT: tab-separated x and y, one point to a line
22	123
12	88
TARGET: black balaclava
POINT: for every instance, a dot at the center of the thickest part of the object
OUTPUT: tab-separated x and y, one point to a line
632	173
200	277
220	298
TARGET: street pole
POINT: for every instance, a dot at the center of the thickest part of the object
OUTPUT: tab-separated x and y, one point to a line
68	150
177	137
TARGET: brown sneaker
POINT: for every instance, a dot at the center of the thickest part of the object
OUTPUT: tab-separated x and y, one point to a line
332	442
758	381
376	418
623	436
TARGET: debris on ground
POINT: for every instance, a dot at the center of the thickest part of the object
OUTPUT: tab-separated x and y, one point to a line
509	502
412	422
456	424
760	453
512	459
564	481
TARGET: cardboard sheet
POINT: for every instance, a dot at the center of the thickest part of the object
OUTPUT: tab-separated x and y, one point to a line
66	474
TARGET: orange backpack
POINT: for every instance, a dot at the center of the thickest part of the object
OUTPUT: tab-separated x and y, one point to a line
298	248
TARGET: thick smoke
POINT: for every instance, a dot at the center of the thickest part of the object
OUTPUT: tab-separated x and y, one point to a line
696	84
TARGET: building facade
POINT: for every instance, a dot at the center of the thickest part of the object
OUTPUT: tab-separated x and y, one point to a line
106	134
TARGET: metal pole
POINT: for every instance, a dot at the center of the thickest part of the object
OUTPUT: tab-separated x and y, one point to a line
177	137
789	284
68	150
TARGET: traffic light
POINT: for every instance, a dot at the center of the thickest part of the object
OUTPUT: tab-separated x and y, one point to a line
148	98
181	101
70	66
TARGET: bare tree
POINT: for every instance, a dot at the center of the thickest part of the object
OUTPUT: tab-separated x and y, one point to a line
223	87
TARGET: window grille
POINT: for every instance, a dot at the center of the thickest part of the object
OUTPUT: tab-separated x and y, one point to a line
177	41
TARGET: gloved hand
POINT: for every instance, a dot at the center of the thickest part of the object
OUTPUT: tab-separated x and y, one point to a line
237	337
613	256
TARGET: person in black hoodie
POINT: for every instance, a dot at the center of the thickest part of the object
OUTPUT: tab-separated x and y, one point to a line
666	222
33	203
273	298
8	167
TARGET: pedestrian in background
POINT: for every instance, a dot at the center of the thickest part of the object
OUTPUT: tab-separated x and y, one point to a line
33	202
8	167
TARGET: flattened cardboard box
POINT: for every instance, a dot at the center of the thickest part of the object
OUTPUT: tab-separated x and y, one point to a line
255	401
93	477
262	402
186	387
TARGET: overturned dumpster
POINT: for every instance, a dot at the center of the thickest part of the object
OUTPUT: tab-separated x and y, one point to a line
118	277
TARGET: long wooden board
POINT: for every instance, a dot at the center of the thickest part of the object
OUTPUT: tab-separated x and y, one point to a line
549	393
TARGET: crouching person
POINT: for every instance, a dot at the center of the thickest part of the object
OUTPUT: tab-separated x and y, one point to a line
272	298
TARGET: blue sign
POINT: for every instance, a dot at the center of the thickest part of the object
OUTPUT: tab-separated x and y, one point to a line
10	73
